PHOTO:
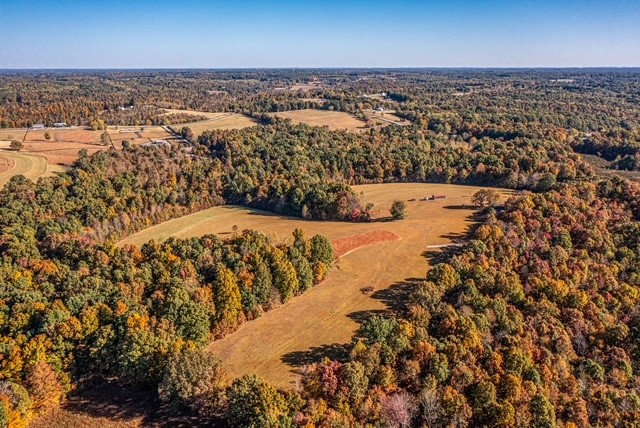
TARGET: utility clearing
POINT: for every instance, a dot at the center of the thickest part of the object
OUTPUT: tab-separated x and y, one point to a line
381	257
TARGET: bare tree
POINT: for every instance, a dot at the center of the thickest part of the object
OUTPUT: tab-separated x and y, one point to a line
399	409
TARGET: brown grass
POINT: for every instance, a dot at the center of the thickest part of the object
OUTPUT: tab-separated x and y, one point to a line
6	164
66	135
334	120
382	255
225	121
12	134
60	152
31	166
321	321
207	114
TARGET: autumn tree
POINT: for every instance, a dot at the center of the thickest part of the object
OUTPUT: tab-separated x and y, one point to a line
227	299
254	403
485	198
194	379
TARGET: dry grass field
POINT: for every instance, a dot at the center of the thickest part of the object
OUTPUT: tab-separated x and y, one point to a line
207	114
334	120
75	135
12	134
225	121
31	166
6	164
59	152
64	144
381	254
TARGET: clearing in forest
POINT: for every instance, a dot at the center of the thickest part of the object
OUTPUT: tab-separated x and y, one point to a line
379	257
334	120
215	120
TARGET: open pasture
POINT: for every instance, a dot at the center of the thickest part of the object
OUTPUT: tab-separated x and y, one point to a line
224	121
321	321
334	120
31	166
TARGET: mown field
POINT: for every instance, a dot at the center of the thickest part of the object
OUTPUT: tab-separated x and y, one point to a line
219	120
382	254
334	120
31	166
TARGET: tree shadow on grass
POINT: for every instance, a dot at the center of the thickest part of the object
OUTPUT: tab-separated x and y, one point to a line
334	351
117	402
395	298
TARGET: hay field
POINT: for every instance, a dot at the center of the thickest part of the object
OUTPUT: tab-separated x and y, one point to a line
12	134
31	166
320	321
6	164
334	120
224	121
64	144
75	135
207	114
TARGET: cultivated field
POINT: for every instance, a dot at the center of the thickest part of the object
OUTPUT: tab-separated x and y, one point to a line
334	120
381	254
31	166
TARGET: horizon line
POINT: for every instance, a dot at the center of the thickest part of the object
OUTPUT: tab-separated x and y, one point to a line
603	67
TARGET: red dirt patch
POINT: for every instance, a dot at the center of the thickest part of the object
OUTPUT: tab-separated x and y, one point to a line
343	246
5	165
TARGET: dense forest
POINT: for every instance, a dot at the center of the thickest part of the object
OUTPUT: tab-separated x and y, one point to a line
534	321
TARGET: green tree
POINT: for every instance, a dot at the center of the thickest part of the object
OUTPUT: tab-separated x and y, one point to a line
398	210
543	413
285	278
15	145
194	379
255	404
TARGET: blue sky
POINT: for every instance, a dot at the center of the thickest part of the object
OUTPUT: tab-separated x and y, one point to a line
279	33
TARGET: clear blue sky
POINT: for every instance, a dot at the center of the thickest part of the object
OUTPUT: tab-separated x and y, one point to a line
279	33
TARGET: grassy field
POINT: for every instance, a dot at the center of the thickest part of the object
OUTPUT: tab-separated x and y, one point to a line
382	254
12	134
207	114
334	120
31	166
216	121
385	255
